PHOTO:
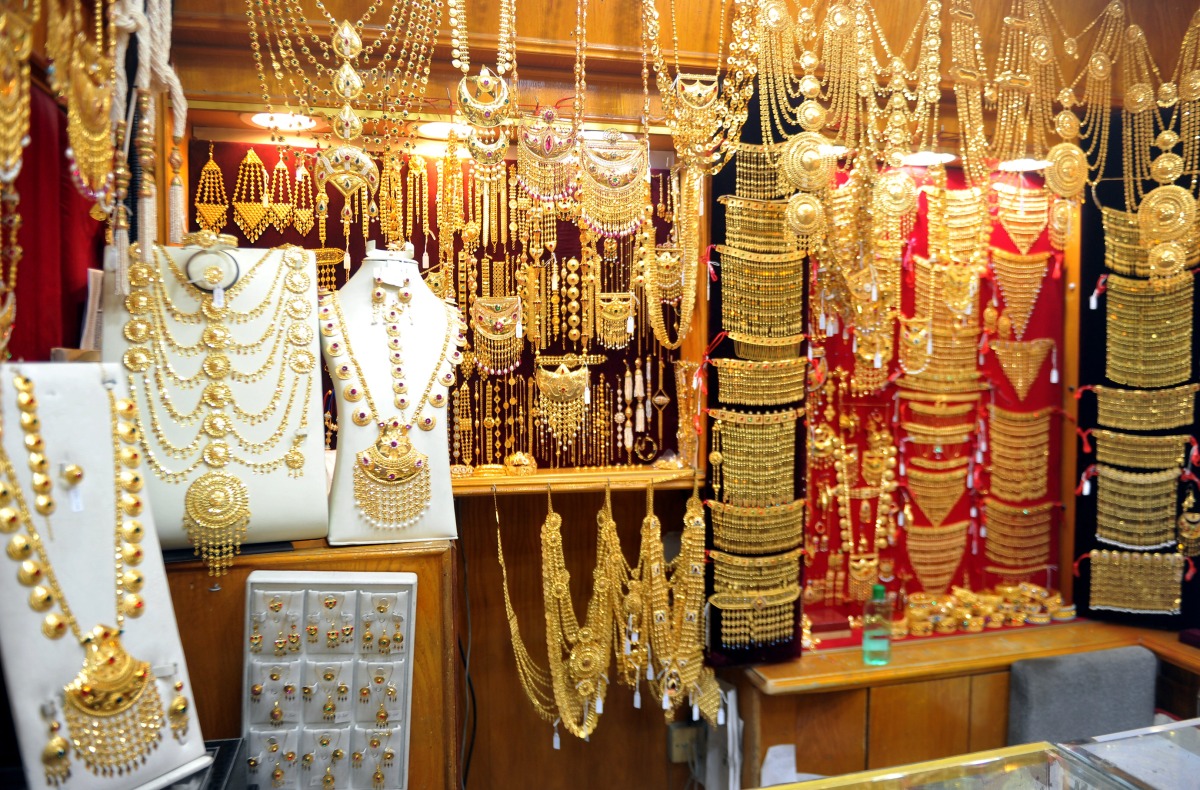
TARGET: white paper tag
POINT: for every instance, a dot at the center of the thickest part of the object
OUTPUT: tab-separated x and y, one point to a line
1093	302
76	500
390	273
218	296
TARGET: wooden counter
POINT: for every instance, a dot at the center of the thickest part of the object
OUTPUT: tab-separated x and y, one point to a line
938	697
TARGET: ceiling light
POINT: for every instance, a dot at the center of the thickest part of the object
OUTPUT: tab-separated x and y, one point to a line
440	130
1022	165
282	121
927	159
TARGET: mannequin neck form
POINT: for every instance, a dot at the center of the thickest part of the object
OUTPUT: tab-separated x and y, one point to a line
388	268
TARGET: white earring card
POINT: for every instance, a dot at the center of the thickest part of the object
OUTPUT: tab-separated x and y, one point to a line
327	691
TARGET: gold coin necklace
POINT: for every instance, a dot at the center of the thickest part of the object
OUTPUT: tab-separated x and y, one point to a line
391	477
113	711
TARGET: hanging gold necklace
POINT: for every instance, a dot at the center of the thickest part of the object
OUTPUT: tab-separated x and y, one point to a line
391	477
113	711
572	689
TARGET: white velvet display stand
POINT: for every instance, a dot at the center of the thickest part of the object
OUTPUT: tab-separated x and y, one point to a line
76	425
424	326
281	507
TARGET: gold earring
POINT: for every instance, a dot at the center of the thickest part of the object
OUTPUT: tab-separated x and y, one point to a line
56	757
177	714
72	474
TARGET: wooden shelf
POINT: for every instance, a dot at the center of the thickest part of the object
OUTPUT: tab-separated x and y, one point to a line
575	480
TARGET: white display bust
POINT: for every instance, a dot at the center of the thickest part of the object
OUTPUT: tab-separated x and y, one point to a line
427	327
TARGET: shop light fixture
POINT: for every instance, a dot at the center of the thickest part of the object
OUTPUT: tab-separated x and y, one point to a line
282	121
440	130
1025	165
927	159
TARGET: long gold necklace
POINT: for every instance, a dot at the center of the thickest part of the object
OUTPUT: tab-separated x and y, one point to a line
391	477
571	691
113	711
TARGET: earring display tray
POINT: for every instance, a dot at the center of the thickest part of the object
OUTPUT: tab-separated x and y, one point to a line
327	690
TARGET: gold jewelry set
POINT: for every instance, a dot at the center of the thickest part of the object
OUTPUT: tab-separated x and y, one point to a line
1149	339
114	714
217	503
391	477
1019	454
1136	510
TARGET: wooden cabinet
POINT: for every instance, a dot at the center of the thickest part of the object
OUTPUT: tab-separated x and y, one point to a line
212	614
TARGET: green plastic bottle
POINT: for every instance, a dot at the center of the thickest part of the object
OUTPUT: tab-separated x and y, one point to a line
877	628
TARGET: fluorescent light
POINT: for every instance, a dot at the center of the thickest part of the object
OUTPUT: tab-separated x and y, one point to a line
440	130
927	159
1022	165
282	121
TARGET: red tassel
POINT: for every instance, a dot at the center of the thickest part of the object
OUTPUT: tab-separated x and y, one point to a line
716	341
1187	577
712	272
1083	478
1188	477
1056	272
1195	450
1087	446
1075	565
1086	387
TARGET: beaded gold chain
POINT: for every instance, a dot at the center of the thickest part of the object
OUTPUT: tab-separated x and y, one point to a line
756	597
936	552
753	457
1018	537
757	530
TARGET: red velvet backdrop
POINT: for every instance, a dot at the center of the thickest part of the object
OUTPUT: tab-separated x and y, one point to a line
1046	321
60	239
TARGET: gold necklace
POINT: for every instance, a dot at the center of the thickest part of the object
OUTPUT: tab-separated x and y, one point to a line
112	708
571	691
1146	410
217	503
391	477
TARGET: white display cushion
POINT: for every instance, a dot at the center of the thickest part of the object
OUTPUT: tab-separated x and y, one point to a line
282	506
365	674
424	324
76	425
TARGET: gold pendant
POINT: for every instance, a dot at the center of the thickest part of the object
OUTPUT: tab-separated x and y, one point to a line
562	400
216	514
112	708
391	479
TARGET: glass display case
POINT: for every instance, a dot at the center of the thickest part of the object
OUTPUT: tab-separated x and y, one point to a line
1164	757
1035	766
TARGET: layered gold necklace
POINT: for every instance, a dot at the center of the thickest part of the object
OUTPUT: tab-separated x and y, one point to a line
391	477
217	503
113	711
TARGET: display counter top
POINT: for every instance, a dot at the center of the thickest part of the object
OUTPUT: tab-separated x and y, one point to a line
935	657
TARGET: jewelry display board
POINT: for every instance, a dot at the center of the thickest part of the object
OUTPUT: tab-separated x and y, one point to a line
124	720
221	348
327	690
